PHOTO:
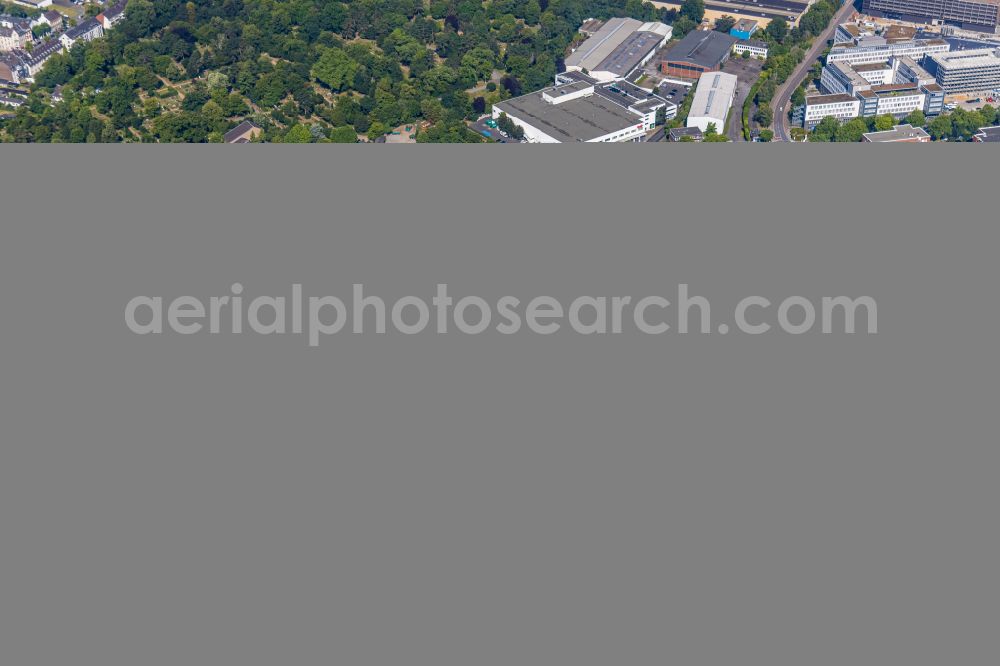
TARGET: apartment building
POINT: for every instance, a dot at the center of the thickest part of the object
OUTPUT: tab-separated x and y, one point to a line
13	38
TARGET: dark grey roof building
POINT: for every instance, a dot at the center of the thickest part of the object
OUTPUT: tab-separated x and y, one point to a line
242	133
987	135
700	51
677	133
86	31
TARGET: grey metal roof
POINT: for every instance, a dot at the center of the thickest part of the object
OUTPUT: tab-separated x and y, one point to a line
599	46
705	48
627	56
713	95
575	120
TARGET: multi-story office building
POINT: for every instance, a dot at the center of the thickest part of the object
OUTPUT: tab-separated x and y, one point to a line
894	99
857	55
979	15
974	70
840	106
896	88
839	77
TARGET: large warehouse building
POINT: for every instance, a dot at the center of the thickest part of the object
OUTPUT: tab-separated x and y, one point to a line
981	15
617	48
712	99
700	51
580	109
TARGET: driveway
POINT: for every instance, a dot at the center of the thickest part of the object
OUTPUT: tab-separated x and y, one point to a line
747	72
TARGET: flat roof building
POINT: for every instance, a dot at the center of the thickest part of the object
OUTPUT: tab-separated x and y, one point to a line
755	47
618	48
744	28
847	33
987	135
762	11
973	70
712	100
700	51
981	15
898	134
840	106
839	77
856	55
899	33
896	88
581	109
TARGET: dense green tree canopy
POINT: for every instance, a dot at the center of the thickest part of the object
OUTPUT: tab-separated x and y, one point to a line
175	70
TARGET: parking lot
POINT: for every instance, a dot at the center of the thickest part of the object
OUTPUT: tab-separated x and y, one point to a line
673	92
972	102
483	129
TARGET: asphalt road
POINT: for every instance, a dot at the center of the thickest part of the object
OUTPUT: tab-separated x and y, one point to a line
783	96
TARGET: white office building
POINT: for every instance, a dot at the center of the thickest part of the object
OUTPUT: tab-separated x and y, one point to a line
841	77
755	47
897	87
840	106
857	55
975	70
895	99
